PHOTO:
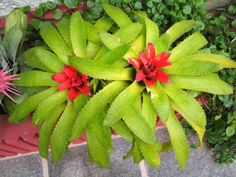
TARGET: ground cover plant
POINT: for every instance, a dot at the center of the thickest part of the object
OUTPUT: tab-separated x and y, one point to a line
118	78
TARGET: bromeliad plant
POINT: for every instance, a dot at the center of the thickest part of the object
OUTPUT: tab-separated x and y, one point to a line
144	76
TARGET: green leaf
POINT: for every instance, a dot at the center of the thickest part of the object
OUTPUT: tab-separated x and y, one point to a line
192	68
55	41
230	131
187	9
78	34
178	139
187	103
63	26
41	58
121	128
80	101
47	105
101	71
92	50
57	14
117	15
150	152
110	41
129	32
35	78
200	131
104	23
152	31
122	103
148	111
61	133
189	46
29	104
210	84
46	130
103	134
112	56
97	152
160	101
218	59
93	31
138	125
135	152
100	101
175	31
102	51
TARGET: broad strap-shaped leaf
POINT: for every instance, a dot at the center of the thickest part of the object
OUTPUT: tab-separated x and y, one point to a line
97	152
41	58
122	103
112	56
63	26
29	104
111	41
98	101
214	58
92	50
160	102
152	31
209	83
104	24
101	71
103	134
102	51
150	152
62	131
35	79
138	125
78	35
139	44
129	32
55	41
178	29
187	103
178	139
121	128
187	47
148	111
135	152
79	102
92	32
46	130
200	131
192	68
120	18
47	106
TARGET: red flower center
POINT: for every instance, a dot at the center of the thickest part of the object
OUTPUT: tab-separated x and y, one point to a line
73	80
149	66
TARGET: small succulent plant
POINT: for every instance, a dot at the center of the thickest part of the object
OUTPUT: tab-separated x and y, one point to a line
10	47
144	76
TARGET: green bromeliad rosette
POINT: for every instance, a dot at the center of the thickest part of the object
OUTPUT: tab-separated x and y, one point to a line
141	76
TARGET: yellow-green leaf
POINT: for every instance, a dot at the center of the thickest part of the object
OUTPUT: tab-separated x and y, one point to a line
117	15
152	31
47	105
187	47
192	67
62	131
121	128
29	104
178	139
98	101
35	79
122	103
209	83
187	103
55	41
214	58
78	35
46	130
101	71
